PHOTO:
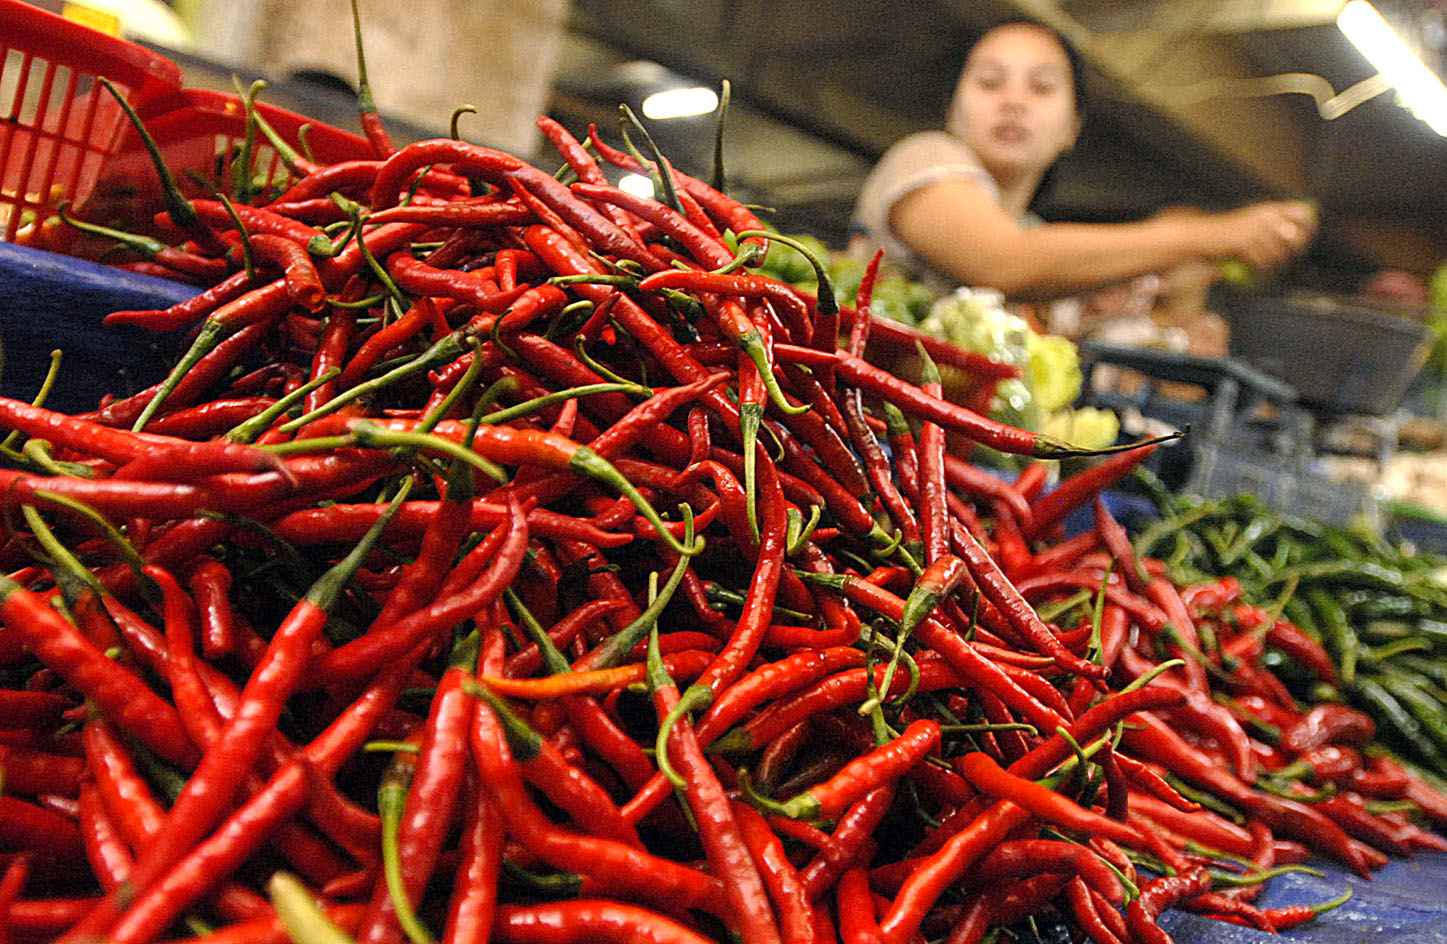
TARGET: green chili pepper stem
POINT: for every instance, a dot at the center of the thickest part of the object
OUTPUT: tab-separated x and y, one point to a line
589	278
522	740
324	593
300	915
241	183
1232	880
290	157
746	254
491	395
440	352
751	416
248	255
601	470
372	436
553	660
893	665
391	801
179	208
725	92
1336	902
612	652
123	548
46	385
752	343
560	396
460	389
364	88
391	747
1097	614
457	113
354	212
1029	729
596	367
555	886
68	569
658	678
796	542
832	581
827	303
1150	676
247	430
663	175
760	802
314	444
207	338
38	452
144	245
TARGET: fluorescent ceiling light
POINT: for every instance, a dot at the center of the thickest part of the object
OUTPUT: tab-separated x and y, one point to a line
680	103
1421	91
636	184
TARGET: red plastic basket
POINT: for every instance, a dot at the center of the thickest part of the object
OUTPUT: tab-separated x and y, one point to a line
200	135
59	126
66	138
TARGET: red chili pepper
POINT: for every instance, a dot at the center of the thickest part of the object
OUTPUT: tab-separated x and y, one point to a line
1117	542
1328	724
27	826
118	693
1091	921
186	312
1070	494
855	904
862	775
442	761
786	888
719	832
359	657
1158	742
582	919
1159	894
622	867
942	869
105	848
155	908
982	771
998	589
211	787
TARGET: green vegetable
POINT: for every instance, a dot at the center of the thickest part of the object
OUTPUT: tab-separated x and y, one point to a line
1380	612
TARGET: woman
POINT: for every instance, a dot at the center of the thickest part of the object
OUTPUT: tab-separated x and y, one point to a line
954	201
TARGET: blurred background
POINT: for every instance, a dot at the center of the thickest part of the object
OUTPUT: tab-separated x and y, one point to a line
1205	102
1331	370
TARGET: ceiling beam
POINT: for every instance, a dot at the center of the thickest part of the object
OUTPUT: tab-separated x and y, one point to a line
1203	16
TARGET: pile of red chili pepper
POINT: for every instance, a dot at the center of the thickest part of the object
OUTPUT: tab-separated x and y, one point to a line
503	561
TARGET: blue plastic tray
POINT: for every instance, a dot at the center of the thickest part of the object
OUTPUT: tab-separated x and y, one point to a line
48	301
1404	902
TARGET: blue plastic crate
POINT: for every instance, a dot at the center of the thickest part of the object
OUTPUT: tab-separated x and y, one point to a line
48	301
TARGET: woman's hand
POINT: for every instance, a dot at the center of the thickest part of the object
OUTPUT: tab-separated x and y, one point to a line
1263	235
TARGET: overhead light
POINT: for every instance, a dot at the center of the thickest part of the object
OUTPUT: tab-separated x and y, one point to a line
680	103
1421	91
636	184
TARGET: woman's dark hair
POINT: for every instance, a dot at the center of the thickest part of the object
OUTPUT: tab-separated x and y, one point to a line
1079	79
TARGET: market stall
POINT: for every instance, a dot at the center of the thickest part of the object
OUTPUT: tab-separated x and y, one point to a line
417	542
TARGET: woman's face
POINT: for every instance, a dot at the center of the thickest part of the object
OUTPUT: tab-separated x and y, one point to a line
1015	104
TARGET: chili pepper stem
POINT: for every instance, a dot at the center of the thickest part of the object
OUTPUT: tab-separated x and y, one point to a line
372	436
300	915
596	467
207	338
750	418
694	698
